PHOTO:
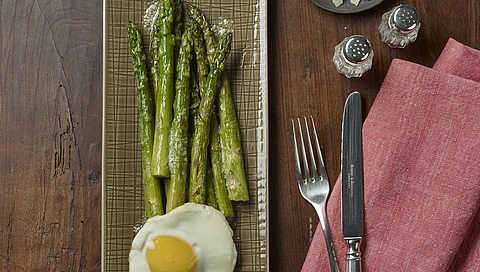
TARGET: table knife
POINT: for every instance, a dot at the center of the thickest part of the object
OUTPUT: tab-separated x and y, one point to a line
352	180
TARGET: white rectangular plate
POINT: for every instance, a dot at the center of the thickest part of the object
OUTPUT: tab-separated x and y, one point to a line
122	199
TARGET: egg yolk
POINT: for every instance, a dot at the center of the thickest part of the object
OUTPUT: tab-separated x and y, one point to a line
171	254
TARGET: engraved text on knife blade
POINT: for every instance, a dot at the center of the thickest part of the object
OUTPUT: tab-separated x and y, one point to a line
351	180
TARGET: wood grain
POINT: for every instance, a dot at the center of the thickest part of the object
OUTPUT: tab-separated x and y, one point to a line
51	106
303	82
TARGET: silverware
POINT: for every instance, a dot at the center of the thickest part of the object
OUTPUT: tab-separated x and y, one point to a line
352	180
314	188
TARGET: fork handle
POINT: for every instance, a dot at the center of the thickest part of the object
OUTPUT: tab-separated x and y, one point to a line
353	261
328	240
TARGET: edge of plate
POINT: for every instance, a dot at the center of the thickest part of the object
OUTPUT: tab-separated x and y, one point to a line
104	80
264	92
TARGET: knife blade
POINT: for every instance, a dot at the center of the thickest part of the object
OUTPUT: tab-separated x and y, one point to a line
352	180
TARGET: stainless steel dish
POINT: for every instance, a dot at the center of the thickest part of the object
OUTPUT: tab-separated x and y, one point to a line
347	7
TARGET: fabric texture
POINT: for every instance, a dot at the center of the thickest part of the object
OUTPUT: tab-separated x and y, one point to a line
421	143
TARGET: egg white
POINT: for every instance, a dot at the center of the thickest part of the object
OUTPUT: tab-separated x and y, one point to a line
201	226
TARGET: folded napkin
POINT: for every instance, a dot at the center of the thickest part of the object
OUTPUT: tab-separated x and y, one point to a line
464	61
460	60
421	171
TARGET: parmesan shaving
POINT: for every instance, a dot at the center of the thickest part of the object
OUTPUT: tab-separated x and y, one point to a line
337	2
151	15
355	2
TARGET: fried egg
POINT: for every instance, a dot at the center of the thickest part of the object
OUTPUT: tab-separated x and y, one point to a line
190	238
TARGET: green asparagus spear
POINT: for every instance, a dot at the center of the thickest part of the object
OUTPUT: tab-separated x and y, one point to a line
234	172
200	52
233	159
198	166
194	104
231	145
211	198
152	187
178	24
196	14
224	203
166	188
179	134
163	55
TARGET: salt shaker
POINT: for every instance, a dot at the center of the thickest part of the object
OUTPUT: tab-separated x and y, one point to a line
353	56
399	26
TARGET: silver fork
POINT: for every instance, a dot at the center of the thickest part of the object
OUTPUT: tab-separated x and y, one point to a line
314	188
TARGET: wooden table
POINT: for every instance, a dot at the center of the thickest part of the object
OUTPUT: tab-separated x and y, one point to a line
51	117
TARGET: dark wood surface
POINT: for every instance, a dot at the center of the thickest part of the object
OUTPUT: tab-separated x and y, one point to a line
51	117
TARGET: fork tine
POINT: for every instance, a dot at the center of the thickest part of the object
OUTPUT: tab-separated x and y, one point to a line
323	172
306	169
313	163
295	153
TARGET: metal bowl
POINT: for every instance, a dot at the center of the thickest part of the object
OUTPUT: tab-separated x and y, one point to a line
347	7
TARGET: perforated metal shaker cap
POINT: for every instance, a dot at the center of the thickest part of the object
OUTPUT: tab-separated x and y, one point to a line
405	18
357	49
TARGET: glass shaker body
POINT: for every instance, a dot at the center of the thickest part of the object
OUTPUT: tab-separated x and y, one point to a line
353	56
399	26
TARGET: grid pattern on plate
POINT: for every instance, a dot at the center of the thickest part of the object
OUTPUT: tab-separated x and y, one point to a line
123	196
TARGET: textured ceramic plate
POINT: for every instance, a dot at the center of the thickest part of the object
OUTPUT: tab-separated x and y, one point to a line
247	70
347	7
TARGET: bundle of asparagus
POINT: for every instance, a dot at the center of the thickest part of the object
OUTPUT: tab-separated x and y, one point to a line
191	142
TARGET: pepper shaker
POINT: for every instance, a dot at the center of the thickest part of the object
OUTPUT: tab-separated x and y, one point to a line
399	26
353	56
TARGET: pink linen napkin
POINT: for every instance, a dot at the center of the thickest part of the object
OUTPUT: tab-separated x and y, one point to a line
421	173
460	60
463	61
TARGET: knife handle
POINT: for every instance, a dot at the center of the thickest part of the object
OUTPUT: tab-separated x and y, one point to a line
353	256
